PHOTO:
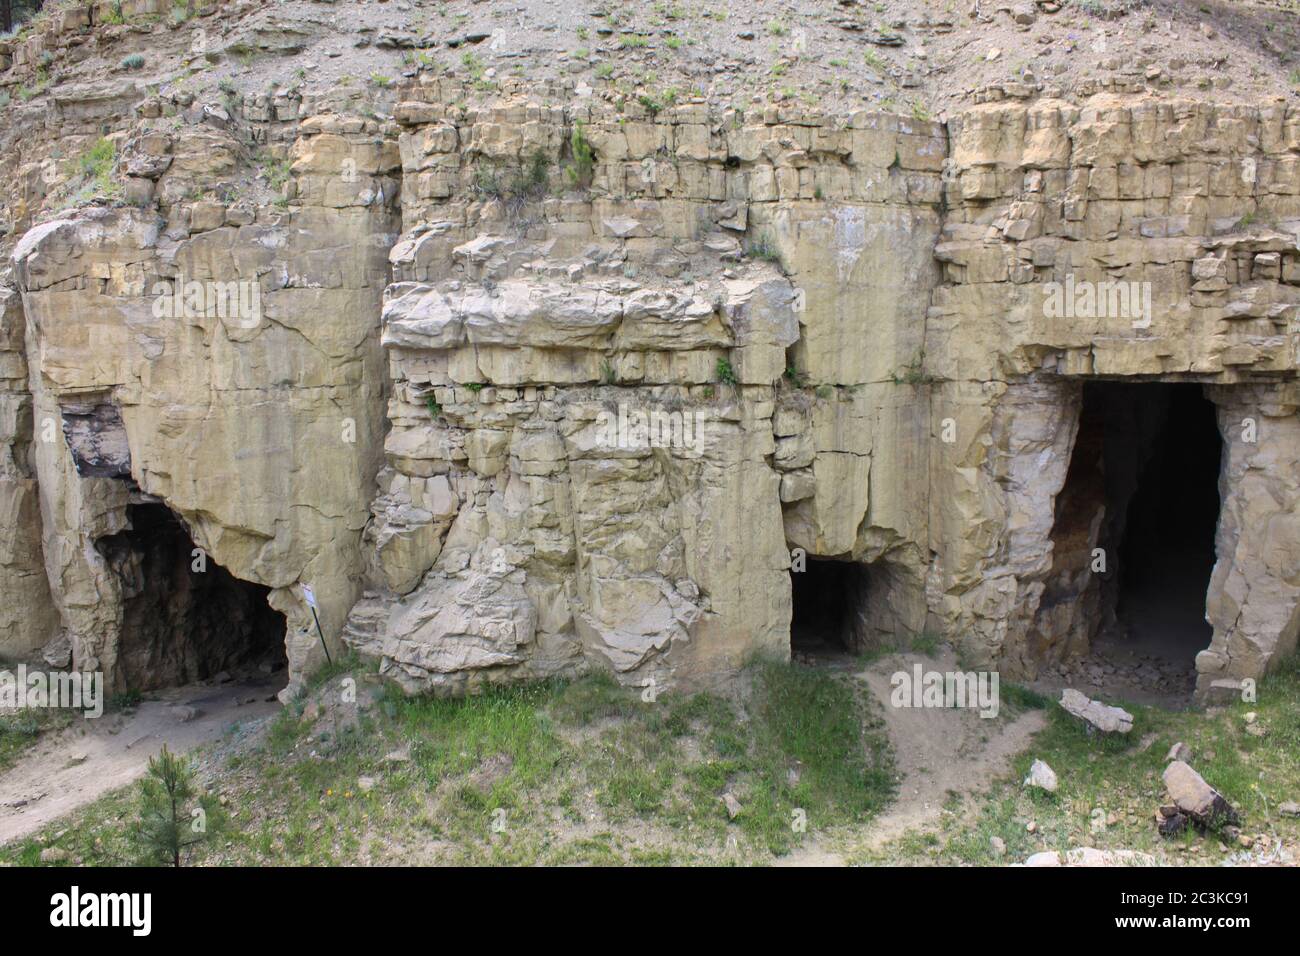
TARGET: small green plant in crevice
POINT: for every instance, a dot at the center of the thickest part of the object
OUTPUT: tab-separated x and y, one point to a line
725	373
795	377
532	180
913	374
516	189
114	16
473	66
132	61
657	102
380	80
276	171
435	410
475	387
489	182
582	169
608	374
763	247
96	166
26	93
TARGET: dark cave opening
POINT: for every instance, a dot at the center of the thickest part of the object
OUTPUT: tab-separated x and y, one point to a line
1166	553
826	597
1143	487
185	618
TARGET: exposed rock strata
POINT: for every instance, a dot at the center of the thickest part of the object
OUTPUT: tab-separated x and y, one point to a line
612	412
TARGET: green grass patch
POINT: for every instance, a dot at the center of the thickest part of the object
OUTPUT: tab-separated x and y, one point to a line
1110	786
585	771
18	732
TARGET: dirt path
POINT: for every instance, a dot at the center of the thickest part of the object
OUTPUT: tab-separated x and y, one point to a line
936	750
88	759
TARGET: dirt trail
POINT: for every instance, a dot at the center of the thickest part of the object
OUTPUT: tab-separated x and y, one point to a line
936	750
81	763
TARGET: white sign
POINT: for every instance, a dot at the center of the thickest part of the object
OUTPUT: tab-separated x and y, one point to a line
309	595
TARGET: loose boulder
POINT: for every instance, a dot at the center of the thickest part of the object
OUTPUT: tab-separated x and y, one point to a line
1041	776
1196	799
1099	717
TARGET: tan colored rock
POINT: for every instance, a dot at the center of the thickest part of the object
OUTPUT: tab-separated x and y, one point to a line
1098	716
1196	798
612	412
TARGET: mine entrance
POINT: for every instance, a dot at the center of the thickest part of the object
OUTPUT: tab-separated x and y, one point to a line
185	618
827	597
1147	456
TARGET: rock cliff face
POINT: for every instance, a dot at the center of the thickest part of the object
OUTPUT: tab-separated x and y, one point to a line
223	359
521	389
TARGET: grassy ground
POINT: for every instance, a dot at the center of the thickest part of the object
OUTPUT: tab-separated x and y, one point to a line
20	731
581	772
1110	789
17	733
587	772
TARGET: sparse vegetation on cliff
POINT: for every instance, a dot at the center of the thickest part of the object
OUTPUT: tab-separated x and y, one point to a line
580	171
763	247
96	167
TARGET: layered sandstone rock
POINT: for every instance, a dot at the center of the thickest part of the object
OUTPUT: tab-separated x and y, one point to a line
236	347
1194	206
590	459
27	615
595	410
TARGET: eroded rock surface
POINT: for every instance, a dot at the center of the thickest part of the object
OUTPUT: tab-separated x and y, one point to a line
509	423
